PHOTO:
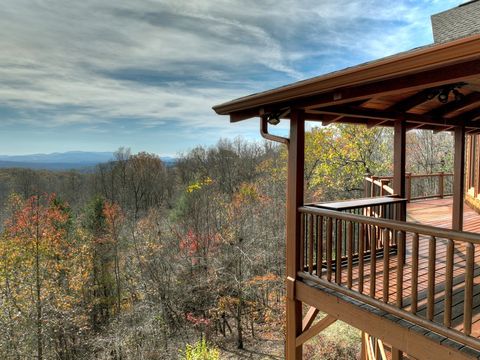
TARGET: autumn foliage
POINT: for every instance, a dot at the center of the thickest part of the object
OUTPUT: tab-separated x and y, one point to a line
137	260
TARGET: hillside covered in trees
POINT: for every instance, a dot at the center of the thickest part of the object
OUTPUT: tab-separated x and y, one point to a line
138	260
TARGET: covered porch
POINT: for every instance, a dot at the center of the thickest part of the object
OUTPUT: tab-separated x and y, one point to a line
405	274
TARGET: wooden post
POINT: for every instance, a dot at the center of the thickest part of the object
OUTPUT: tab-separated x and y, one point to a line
399	145
408	185
458	178
396	354
476	167
366	185
363	350
383	182
295	185
441	184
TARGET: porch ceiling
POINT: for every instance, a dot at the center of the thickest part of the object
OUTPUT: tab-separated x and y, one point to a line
403	86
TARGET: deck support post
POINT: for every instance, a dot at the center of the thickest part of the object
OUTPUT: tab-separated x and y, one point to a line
399	157
295	181
458	178
399	174
363	349
396	354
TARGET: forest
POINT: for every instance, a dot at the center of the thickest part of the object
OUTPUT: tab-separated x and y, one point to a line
139	260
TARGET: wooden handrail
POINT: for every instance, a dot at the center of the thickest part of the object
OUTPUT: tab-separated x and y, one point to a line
384	188
378	186
340	247
466	236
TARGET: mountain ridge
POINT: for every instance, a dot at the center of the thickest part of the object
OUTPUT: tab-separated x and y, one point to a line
69	160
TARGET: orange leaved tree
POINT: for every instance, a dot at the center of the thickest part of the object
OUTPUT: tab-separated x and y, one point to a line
37	264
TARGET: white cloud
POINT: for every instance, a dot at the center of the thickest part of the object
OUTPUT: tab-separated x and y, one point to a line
60	54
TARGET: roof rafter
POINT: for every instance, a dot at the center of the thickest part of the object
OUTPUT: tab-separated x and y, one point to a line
453	106
412	101
383	115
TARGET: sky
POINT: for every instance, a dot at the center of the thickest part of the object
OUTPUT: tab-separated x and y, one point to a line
96	75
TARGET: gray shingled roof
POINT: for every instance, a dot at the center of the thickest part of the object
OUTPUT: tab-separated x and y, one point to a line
456	23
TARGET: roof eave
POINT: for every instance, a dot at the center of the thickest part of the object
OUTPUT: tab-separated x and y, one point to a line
415	61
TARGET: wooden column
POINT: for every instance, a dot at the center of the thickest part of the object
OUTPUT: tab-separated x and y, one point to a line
399	157
458	178
295	181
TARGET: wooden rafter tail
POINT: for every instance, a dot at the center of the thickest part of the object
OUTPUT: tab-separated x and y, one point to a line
332	120
376	122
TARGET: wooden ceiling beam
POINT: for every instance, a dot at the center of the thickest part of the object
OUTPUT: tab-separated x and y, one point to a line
382	115
435	129
412	101
453	106
393	115
348	120
377	122
470	116
333	120
320	117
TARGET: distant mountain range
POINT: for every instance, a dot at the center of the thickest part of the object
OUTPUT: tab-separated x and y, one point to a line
81	160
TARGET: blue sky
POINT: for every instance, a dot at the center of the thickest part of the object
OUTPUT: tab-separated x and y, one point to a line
95	75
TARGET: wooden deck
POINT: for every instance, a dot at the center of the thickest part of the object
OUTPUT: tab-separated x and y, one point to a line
438	212
431	267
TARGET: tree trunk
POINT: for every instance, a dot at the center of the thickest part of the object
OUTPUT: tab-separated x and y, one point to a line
239	324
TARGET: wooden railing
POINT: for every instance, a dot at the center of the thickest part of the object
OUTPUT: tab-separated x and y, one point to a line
378	186
428	281
418	186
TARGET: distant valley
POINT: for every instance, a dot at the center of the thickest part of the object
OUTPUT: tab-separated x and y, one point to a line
78	160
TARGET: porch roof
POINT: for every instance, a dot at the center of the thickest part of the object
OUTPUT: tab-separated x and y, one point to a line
403	86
